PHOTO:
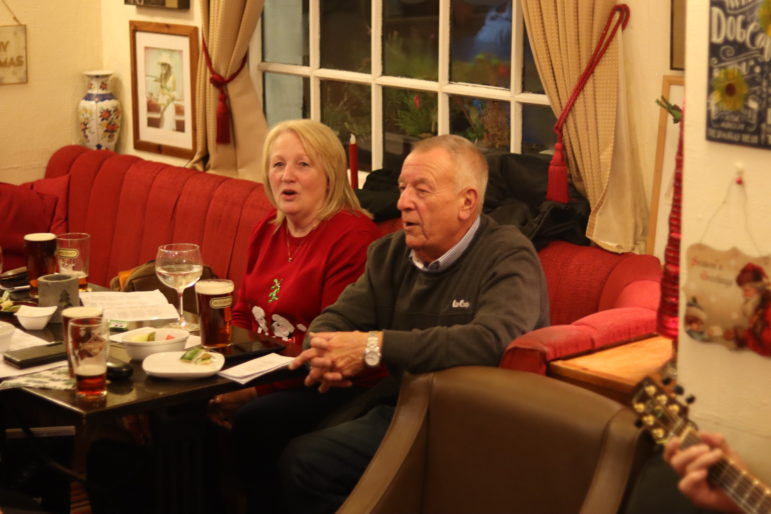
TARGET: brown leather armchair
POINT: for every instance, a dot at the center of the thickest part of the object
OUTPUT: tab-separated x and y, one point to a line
481	439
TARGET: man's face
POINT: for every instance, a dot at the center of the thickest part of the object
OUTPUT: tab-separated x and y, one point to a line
435	215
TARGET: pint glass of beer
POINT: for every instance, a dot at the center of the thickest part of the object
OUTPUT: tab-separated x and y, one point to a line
87	352
215	309
73	252
71	313
40	248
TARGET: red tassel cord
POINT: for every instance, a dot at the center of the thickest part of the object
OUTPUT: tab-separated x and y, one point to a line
557	188
223	101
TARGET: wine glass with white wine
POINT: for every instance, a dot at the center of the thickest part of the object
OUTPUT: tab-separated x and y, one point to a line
179	266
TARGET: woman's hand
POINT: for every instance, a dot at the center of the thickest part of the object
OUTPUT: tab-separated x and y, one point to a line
223	407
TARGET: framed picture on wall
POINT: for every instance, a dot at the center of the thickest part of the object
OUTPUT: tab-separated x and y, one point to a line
169	4
677	36
163	70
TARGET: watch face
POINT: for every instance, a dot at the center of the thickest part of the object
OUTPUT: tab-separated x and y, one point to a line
371	358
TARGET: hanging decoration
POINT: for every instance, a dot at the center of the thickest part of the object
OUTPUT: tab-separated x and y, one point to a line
667	322
738	97
728	291
13	52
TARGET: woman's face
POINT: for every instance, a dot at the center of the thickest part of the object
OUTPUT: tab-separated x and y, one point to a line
299	185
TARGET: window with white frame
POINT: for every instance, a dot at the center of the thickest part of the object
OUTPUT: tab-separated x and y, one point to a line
393	71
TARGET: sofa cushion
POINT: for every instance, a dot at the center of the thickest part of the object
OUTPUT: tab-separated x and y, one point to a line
56	187
22	211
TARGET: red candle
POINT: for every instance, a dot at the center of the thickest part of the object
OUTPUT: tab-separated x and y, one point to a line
353	161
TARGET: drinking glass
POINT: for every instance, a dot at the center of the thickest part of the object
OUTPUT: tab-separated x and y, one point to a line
179	266
215	311
87	353
40	248
71	313
73	252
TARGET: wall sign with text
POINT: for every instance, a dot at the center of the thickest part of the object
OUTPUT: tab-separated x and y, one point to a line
13	54
739	100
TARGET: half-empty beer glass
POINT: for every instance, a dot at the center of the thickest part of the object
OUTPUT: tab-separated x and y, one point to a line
215	310
73	252
88	348
40	248
71	313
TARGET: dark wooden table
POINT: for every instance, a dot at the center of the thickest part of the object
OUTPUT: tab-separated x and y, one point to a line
177	407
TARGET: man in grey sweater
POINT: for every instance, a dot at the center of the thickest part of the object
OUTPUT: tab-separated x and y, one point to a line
451	289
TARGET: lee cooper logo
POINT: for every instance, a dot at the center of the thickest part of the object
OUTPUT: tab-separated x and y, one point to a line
460	304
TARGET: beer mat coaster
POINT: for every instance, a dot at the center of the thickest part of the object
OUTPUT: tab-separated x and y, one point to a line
55	378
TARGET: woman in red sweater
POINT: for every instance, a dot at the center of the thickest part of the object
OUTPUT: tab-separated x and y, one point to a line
303	254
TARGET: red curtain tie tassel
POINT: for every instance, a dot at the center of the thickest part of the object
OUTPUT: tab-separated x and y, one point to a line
557	188
223	101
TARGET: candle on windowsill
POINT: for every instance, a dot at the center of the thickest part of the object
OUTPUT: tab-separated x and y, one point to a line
353	161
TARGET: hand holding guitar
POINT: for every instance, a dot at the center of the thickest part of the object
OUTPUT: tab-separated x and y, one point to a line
711	475
692	465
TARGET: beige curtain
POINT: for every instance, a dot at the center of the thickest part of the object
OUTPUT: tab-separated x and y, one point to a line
600	151
227	27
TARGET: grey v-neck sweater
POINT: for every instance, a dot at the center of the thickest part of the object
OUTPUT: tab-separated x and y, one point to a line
464	315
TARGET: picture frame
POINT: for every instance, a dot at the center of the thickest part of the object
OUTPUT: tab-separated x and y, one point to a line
672	89
168	4
164	60
677	35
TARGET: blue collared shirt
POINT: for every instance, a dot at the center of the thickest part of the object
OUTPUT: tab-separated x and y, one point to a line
450	256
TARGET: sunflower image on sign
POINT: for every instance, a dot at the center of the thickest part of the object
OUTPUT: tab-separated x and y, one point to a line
729	89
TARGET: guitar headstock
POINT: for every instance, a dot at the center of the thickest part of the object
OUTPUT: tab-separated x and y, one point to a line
659	412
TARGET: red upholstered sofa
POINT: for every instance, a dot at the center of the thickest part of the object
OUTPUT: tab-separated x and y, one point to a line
130	206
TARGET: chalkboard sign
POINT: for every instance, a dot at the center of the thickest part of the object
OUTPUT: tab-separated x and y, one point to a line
739	81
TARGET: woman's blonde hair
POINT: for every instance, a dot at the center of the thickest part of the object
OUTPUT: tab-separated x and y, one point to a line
326	152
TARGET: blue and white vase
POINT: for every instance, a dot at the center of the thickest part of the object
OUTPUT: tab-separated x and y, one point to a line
99	113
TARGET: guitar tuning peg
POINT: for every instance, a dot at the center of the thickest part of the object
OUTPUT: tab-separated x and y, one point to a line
690	399
678	389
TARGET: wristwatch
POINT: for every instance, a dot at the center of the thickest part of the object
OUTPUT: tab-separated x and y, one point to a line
372	350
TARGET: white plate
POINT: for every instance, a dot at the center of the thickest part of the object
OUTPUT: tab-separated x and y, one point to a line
168	365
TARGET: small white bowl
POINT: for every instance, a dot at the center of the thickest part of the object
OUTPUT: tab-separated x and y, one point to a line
138	350
6	331
34	318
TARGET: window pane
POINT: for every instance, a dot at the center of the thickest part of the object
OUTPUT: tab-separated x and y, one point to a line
410	42
286	98
531	81
481	43
484	122
285	31
346	108
345	43
408	115
538	129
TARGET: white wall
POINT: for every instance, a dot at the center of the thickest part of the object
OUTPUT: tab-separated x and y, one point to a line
646	52
64	38
733	388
